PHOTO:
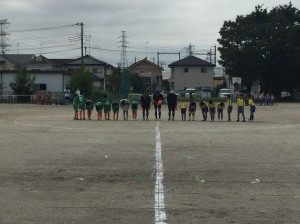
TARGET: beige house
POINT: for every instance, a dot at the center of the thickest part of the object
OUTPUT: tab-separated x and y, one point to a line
150	72
191	72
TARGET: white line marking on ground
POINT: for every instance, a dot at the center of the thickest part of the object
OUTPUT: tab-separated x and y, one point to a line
160	214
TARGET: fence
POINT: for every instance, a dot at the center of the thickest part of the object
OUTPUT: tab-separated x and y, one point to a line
56	97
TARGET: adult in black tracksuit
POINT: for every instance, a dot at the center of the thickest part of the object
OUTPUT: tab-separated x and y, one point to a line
172	104
145	104
157	97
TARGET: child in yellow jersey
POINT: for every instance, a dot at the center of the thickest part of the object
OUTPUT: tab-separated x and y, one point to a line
229	107
252	107
183	111
212	109
220	108
240	103
204	110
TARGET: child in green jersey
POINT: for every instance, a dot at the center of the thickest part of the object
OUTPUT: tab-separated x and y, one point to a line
75	106
107	106
82	107
89	106
134	107
115	108
99	108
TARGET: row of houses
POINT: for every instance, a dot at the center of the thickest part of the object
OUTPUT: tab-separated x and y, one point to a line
54	74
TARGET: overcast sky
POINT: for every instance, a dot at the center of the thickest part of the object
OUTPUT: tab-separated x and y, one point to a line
150	25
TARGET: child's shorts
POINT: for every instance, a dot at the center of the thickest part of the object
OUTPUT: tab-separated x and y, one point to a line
252	109
229	109
183	111
240	109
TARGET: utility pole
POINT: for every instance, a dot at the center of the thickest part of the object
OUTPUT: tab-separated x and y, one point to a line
81	38
3	34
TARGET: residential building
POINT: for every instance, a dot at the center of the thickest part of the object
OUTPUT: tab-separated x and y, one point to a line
150	72
50	74
191	72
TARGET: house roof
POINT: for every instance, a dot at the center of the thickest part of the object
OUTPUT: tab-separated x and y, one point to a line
17	59
190	61
147	61
88	60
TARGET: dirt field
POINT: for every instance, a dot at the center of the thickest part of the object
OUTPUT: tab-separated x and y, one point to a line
54	170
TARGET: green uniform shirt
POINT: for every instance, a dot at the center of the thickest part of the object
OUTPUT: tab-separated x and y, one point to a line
89	105
115	106
81	102
107	105
75	103
134	106
99	106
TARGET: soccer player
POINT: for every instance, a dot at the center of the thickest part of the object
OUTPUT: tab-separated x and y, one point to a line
183	111
204	110
145	104
212	109
125	104
229	107
82	107
134	107
192	110
99	108
240	103
107	106
115	108
252	107
172	104
89	107
220	108
158	101
75	106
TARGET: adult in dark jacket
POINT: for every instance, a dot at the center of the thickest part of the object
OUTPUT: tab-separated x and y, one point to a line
158	100
172	104
145	104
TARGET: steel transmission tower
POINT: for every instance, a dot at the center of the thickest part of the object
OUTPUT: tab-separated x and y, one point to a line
123	61
125	84
3	34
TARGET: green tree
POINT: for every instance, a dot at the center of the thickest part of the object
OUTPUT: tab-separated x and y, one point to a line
83	80
136	83
23	83
263	47
114	80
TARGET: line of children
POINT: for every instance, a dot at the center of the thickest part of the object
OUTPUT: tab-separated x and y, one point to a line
81	104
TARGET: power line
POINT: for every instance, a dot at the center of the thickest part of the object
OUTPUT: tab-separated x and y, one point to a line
45	28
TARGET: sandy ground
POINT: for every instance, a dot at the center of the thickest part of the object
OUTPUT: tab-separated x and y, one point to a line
54	170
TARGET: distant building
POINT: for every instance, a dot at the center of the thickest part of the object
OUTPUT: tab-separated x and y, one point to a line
150	72
191	72
50	74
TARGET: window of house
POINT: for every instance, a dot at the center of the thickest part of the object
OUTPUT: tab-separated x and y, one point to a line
185	70
203	70
43	87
